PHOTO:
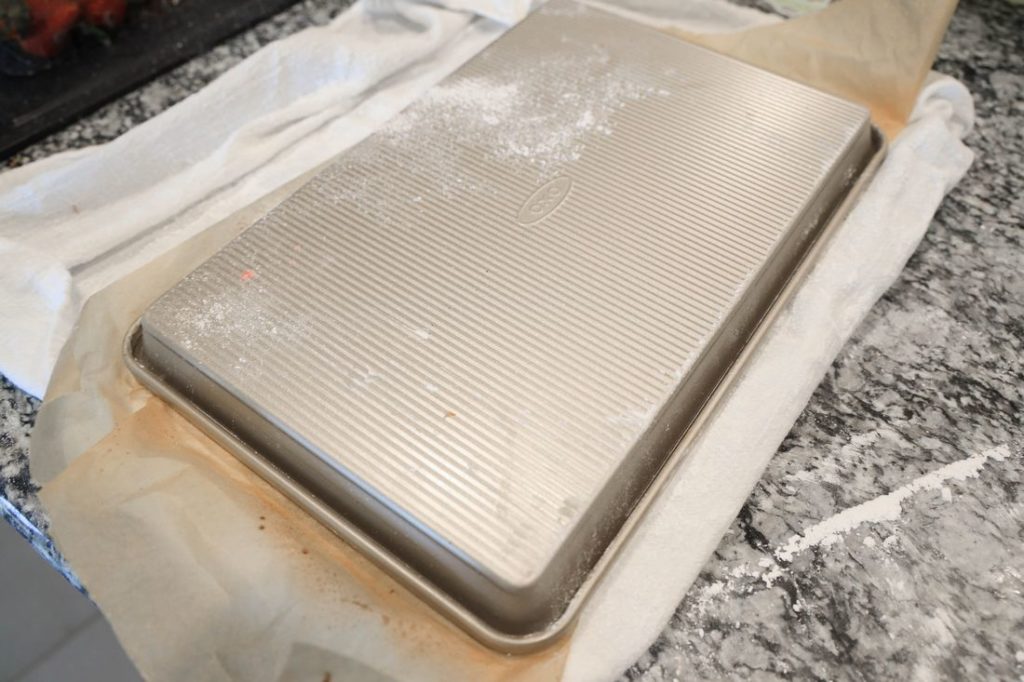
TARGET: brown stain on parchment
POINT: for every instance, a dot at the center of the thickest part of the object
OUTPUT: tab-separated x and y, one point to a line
321	564
874	52
96	495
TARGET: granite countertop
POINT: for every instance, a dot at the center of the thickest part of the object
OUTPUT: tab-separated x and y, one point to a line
886	538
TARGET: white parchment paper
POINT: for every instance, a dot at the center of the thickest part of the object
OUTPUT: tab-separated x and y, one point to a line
206	573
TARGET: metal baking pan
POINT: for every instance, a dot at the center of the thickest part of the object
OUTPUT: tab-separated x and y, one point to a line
476	344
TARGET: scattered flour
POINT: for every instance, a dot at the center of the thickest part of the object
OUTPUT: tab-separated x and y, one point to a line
745	579
363	379
538	116
635	422
528	116
530	119
234	311
887	507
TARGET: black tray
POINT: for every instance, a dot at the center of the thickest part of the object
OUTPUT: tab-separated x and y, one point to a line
154	39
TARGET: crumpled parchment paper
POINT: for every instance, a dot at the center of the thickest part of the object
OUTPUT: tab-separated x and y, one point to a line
207	573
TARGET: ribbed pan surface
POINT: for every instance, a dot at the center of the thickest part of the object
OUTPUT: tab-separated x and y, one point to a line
479	314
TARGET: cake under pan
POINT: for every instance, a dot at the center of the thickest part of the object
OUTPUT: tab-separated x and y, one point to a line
474	344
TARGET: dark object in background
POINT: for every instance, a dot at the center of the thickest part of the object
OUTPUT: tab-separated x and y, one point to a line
42	28
68	58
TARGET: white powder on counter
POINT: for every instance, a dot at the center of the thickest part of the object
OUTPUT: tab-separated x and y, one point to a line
887	507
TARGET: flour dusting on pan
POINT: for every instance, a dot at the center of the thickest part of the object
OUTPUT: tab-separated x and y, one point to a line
533	121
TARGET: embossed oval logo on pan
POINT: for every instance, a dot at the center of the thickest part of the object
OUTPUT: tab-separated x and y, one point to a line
544	201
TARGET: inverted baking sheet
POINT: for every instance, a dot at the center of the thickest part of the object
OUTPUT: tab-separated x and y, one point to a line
475	344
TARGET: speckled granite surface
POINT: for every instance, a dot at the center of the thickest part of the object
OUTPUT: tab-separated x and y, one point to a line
912	445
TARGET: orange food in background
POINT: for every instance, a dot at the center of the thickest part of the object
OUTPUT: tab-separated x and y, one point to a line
51	22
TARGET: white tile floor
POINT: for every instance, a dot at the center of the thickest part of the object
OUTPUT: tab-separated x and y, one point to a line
48	631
